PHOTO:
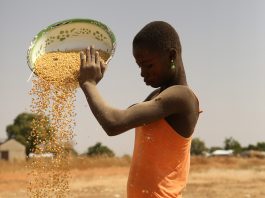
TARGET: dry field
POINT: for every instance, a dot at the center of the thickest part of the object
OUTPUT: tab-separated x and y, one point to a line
106	178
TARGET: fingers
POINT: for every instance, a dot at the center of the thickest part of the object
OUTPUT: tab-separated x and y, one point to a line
97	58
92	52
103	66
82	58
88	55
91	56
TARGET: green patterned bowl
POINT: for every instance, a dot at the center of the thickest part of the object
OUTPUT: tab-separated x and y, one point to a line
69	35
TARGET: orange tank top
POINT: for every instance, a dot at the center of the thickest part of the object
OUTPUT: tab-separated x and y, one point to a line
160	162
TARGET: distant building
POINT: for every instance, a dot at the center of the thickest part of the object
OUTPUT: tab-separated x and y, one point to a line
222	153
12	150
41	155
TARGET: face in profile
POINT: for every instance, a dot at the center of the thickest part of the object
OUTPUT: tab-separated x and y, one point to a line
154	66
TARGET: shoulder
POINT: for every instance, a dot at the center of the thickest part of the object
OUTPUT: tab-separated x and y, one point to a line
179	97
178	92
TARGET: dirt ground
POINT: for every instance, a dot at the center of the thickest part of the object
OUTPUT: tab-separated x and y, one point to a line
209	178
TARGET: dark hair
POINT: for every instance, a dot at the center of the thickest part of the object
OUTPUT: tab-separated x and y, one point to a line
157	35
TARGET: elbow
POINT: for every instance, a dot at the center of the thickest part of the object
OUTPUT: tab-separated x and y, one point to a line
112	130
114	124
111	133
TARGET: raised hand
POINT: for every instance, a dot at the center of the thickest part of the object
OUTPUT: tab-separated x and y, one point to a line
92	67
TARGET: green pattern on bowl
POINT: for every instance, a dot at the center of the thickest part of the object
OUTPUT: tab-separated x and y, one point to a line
72	34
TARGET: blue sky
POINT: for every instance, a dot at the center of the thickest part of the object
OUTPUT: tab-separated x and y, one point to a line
223	53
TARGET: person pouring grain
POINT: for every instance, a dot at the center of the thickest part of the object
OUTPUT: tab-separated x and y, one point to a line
164	122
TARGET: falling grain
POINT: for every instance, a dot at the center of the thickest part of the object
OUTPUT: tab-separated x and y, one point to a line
53	97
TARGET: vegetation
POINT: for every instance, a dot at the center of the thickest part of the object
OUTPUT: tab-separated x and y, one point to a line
21	129
99	150
214	148
231	143
260	146
197	147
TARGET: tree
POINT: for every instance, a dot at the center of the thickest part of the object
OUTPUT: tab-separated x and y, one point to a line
260	146
231	143
214	148
250	147
99	150
197	147
21	130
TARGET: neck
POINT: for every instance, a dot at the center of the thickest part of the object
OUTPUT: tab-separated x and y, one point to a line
179	77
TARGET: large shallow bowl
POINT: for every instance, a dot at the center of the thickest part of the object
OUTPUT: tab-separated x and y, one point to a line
72	34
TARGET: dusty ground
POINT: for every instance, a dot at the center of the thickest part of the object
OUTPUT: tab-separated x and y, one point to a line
209	178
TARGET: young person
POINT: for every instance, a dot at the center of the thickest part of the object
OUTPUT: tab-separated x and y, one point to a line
164	122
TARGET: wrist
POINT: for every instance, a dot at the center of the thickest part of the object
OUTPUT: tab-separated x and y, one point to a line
87	84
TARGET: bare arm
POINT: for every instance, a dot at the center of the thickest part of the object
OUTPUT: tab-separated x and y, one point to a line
115	121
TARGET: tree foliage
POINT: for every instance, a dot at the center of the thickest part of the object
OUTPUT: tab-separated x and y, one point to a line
214	148
197	147
21	130
99	150
231	143
260	146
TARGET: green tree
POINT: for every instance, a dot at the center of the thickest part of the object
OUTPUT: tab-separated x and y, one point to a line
21	130
260	146
231	143
214	148
197	147
99	150
251	147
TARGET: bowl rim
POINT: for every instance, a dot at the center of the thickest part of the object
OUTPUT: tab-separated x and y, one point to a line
67	21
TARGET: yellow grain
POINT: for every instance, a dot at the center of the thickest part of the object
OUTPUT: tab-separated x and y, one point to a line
53	96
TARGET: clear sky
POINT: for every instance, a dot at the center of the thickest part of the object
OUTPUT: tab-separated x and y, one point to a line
223	52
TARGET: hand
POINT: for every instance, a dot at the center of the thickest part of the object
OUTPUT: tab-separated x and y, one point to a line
92	67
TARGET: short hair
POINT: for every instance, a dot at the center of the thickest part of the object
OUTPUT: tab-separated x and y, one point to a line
157	35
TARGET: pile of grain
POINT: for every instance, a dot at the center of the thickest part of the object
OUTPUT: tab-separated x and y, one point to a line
53	96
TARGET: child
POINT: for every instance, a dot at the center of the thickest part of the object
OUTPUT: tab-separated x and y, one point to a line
164	122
